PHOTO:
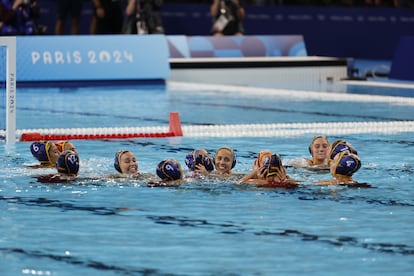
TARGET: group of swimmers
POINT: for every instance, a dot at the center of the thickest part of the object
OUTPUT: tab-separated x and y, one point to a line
340	158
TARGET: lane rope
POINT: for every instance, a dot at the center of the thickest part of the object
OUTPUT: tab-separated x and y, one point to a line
238	130
233	130
184	87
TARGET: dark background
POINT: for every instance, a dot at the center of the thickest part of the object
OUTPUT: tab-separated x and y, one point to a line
330	28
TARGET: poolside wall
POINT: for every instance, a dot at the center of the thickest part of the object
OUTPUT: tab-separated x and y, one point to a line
132	57
369	33
403	63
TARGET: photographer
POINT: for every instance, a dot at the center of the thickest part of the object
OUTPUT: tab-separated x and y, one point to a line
227	17
143	17
150	17
19	17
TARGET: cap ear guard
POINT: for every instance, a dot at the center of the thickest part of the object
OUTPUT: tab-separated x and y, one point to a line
68	163
233	164
347	164
117	160
169	170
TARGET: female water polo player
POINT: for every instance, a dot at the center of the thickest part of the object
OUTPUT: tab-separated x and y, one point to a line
170	173
67	166
258	163
126	163
46	152
271	175
319	150
342	168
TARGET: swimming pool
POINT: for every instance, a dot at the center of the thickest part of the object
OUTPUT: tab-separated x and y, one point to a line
101	226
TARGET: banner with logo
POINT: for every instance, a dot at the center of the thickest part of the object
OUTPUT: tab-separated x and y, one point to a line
80	58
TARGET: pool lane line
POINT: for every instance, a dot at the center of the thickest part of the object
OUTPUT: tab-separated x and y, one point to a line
237	130
388	84
240	91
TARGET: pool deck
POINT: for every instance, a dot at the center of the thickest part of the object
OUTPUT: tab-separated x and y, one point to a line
244	71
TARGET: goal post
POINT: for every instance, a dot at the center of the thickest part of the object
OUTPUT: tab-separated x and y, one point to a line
10	79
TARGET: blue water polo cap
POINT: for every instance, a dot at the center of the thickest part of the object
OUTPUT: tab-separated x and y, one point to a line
347	164
169	169
40	151
68	163
197	157
341	146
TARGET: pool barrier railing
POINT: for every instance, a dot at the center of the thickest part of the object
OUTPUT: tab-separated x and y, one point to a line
174	129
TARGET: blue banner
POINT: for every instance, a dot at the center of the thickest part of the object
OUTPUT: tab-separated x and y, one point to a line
110	57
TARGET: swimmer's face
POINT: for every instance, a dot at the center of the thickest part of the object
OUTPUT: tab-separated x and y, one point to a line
71	147
320	148
223	160
128	163
53	153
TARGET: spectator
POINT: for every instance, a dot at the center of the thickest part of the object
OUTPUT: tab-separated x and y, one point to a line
109	16
143	17
150	17
65	8
227	16
19	17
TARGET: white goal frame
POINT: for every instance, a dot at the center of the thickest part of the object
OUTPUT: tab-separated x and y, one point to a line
10	44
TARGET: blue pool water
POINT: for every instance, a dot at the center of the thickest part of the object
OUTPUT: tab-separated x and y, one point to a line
102	226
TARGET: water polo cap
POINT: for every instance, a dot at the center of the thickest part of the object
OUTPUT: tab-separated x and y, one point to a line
68	163
263	157
169	169
232	152
40	150
117	159
347	164
341	146
273	165
197	157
